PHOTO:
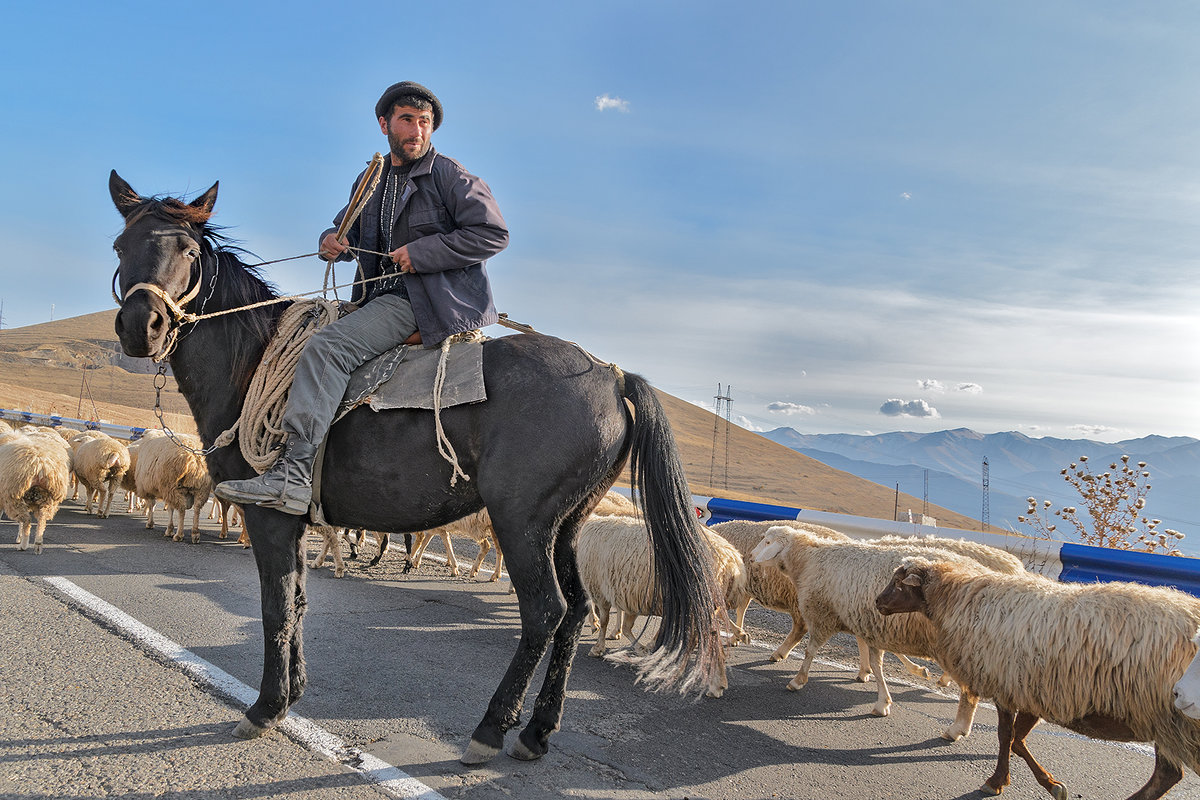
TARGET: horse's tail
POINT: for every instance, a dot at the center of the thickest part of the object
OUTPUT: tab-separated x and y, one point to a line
684	584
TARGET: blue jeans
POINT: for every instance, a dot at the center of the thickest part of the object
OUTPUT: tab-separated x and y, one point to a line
333	352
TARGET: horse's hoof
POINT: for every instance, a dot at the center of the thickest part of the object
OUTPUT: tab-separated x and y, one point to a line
478	753
248	730
521	752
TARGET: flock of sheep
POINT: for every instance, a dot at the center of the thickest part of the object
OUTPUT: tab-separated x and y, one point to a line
1101	659
40	466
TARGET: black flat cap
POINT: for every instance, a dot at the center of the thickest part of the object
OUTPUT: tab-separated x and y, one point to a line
397	90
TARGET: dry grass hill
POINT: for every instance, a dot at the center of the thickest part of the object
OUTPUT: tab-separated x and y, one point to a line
74	367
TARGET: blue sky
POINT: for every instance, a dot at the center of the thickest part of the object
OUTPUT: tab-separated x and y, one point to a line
862	217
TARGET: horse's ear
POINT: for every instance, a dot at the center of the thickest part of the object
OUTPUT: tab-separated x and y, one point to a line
123	195
206	201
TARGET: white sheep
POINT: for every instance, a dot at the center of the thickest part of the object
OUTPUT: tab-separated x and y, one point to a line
613	555
75	439
1098	658
176	475
99	464
35	475
836	585
476	527
331	546
129	480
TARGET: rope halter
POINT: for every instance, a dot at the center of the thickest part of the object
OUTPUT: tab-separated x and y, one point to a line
179	317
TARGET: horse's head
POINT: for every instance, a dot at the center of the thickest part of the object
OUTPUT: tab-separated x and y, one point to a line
160	264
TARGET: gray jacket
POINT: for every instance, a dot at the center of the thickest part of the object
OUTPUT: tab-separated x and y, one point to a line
452	225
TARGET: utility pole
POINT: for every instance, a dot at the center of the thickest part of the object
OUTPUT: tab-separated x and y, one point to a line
724	401
925	502
986	514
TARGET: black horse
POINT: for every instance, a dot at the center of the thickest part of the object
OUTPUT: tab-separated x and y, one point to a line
553	435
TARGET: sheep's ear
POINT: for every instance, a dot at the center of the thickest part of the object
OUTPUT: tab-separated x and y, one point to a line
123	195
912	579
208	200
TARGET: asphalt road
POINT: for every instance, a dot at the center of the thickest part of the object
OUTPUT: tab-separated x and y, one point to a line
401	667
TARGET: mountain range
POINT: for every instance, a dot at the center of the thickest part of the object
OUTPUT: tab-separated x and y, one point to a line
1019	467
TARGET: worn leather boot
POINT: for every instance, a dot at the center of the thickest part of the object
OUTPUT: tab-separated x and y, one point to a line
286	485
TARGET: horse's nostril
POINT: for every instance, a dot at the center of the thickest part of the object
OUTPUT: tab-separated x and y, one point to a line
156	321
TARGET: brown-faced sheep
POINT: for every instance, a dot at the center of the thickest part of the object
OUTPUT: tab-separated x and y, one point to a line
1098	658
174	474
35	475
836	584
613	554
99	464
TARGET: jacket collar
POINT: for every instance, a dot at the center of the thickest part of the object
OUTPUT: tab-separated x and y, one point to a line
423	165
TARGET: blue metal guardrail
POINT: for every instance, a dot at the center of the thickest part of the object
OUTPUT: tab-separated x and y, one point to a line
1079	563
55	421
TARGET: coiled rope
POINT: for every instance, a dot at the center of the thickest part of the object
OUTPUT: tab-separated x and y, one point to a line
258	429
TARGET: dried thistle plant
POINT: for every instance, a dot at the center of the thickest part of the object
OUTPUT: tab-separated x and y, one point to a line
1114	502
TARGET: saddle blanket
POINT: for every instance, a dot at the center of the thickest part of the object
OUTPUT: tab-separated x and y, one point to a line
404	377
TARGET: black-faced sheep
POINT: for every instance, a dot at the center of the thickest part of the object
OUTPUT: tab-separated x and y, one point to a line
35	476
836	585
1098	658
613	554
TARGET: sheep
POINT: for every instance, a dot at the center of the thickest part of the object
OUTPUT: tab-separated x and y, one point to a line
1099	658
176	475
615	504
100	463
331	545
75	439
35	474
613	554
129	480
478	527
836	584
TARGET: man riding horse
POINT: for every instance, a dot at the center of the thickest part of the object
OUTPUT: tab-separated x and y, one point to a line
438	225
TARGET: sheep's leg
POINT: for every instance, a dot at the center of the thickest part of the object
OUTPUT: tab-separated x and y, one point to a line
1165	776
1025	722
965	718
913	667
793	638
883	701
1004	731
499	560
418	551
43	517
223	513
739	614
87	500
196	507
110	489
384	540
23	529
738	600
178	537
816	639
320	559
484	545
602	609
451	561
627	620
150	504
618	626
335	545
864	662
736	634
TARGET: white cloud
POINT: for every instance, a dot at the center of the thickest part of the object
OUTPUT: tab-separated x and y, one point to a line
913	408
1094	431
906	195
969	388
738	419
781	407
605	102
930	385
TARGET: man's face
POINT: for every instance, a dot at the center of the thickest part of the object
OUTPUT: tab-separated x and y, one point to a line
407	131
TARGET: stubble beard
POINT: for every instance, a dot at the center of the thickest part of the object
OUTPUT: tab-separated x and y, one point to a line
396	143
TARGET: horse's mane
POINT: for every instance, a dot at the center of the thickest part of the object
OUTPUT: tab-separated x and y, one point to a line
238	284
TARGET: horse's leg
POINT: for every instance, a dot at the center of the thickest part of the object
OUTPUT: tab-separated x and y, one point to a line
277	539
547	708
297	677
542	608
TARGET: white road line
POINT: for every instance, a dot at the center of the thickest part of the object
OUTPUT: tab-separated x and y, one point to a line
388	778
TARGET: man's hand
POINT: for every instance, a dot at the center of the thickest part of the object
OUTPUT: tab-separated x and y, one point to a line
400	258
330	247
